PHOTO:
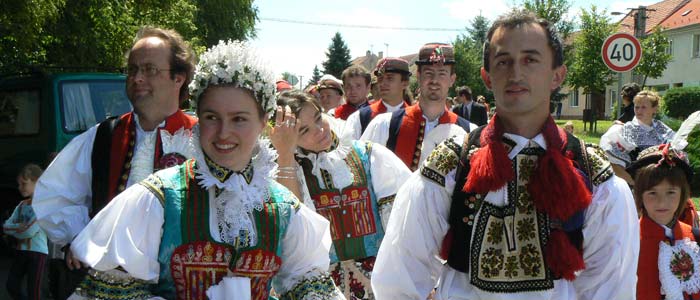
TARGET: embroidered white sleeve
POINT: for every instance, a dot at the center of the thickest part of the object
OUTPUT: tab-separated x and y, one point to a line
353	127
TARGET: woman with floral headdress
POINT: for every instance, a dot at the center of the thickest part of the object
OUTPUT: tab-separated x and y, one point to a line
218	226
352	184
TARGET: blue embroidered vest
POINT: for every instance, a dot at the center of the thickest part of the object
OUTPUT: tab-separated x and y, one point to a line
191	260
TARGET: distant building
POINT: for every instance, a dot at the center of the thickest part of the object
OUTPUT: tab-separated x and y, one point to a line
681	22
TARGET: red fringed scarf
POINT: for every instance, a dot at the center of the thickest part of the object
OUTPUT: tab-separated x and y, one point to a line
556	188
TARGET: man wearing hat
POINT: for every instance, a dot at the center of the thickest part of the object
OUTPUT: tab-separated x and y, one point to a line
331	90
356	81
407	131
392	80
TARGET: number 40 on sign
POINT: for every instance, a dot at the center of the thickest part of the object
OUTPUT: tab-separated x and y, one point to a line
621	52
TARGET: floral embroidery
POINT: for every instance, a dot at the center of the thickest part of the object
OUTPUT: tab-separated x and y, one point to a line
525	205
527	167
529	260
526	229
512	266
492	262
682	265
495	233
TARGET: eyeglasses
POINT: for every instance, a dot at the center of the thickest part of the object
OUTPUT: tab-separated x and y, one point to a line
148	70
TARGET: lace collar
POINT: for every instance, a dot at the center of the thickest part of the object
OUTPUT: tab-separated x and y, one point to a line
240	192
331	161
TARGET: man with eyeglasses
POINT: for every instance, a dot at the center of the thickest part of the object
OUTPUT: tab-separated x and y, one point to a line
113	155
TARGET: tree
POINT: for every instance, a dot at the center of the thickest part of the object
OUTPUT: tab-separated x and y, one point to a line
555	12
479	27
225	19
468	56
654	58
96	34
22	33
290	78
338	56
587	69
316	76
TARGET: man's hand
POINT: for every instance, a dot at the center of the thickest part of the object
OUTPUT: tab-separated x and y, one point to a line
72	262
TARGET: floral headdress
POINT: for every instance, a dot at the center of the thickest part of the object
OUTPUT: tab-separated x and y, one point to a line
235	63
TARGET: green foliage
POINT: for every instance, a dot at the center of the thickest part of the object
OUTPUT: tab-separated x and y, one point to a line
338	56
315	76
586	68
97	34
654	58
225	19
22	33
681	102
290	78
468	57
555	12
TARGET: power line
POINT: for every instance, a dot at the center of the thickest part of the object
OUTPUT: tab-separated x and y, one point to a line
359	26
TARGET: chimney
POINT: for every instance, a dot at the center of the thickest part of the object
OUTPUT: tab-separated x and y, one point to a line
368	53
381	54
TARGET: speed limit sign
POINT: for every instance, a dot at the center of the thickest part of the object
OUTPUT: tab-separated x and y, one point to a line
621	52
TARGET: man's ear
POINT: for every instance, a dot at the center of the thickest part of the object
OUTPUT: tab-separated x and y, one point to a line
486	78
558	78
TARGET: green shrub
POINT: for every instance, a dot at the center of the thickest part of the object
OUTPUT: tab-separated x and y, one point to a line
681	102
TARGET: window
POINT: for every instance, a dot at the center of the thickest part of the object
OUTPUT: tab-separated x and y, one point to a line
669	49
573	98
85	103
613	99
696	46
19	112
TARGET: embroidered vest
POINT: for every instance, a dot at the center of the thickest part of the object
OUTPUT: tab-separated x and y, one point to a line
353	212
191	260
344	111
506	253
113	149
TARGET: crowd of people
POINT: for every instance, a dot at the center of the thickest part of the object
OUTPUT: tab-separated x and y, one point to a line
353	189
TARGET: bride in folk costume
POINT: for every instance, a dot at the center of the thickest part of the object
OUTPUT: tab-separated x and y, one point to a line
218	226
351	183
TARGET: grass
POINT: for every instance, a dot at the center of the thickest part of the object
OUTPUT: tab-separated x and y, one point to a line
588	137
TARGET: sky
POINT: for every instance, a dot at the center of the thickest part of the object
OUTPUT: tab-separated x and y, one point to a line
296	47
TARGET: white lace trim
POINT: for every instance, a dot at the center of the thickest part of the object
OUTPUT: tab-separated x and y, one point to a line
671	285
334	163
142	161
179	142
234	206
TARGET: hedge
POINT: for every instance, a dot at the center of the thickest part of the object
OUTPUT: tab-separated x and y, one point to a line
681	102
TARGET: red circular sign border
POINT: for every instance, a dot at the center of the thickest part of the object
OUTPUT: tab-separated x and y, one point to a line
609	41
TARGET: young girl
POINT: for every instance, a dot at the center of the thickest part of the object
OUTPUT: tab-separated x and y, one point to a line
32	247
669	256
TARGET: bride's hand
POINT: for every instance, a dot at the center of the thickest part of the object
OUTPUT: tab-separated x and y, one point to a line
285	132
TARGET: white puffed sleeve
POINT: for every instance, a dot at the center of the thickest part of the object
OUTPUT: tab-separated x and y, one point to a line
611	244
377	130
406	265
353	127
388	174
63	192
126	233
305	258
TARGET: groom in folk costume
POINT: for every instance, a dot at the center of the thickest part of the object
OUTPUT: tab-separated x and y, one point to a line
113	155
406	131
517	209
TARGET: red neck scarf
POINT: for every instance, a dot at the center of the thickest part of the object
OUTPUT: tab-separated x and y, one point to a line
410	137
556	188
